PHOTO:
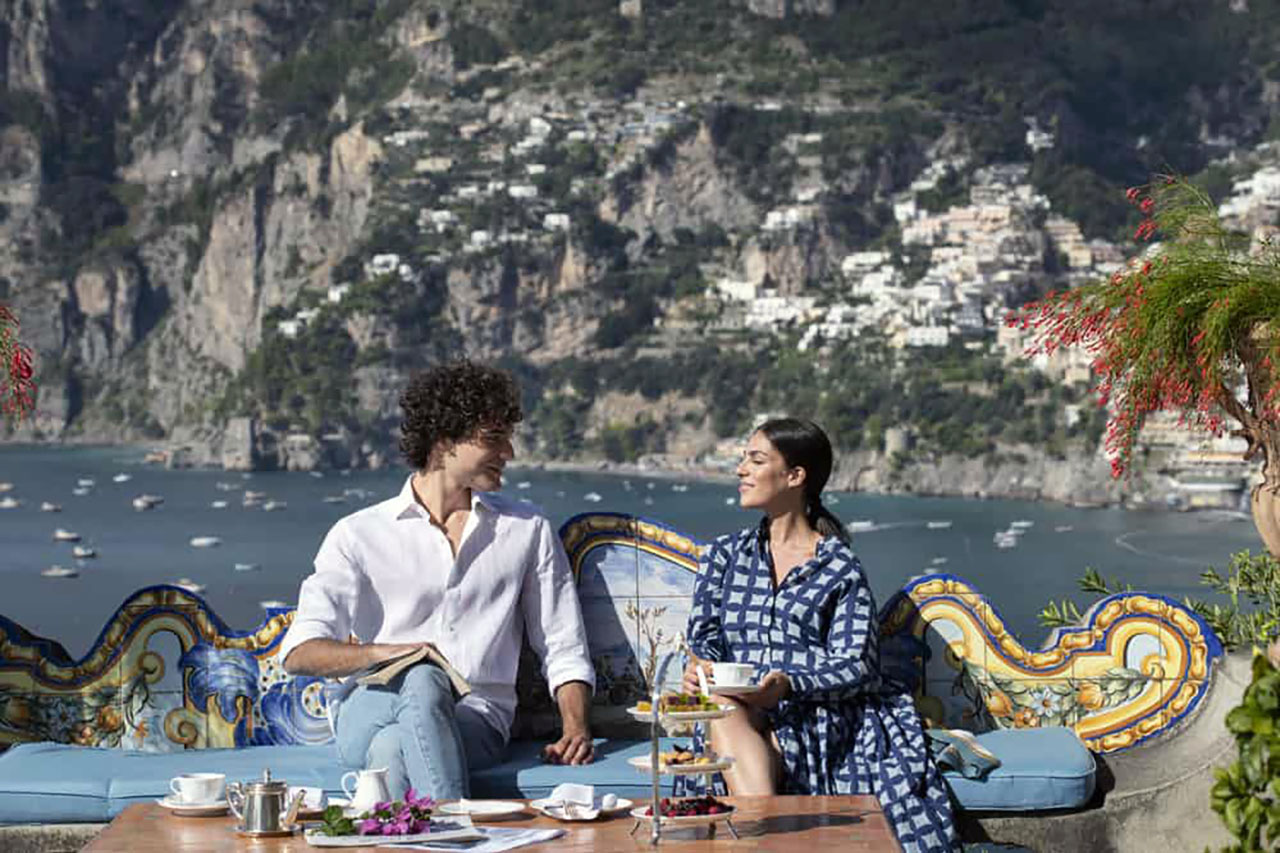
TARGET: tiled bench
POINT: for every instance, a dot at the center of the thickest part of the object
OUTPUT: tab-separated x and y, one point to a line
167	682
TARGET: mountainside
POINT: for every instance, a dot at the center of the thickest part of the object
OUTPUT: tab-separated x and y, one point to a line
237	226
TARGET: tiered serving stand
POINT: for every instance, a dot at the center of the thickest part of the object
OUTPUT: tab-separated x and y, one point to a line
658	719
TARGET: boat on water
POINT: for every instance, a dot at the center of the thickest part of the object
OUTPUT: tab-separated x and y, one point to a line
272	506
205	541
81	491
648	501
6	487
523	484
317	474
146	502
860	525
60	572
223	486
272	604
218	505
335	499
939	561
86	482
592	497
1005	539
122	478
9	502
679	487
60	535
83	552
247	567
1063	528
189	585
1022	524
46	506
248	501
937	525
730	501
254	496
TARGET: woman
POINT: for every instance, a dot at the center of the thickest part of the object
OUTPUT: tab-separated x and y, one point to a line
790	597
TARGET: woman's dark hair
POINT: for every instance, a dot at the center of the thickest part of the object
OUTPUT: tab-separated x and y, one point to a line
455	402
803	444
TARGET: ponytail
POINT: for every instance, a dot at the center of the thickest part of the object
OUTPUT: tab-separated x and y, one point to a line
825	521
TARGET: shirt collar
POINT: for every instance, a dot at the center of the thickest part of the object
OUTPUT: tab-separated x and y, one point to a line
405	504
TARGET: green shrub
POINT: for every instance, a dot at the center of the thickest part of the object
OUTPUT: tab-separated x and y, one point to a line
1245	793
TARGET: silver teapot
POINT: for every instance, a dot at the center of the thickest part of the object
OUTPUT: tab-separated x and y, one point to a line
263	806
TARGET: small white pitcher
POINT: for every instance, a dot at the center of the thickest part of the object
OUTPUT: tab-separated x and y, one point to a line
371	788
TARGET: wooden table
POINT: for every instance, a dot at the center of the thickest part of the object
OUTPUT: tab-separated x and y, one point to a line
811	824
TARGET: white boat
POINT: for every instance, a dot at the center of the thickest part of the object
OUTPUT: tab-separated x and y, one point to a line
730	501
219	505
83	552
9	502
523	484
248	501
1063	528
938	561
272	604
205	541
122	478
860	525
189	585
227	487
6	487
254	496
335	499
648	501
272	506
145	502
679	487
81	491
247	567
1022	524
937	525
592	497
60	572
1005	539
46	506
86	482
317	474
61	535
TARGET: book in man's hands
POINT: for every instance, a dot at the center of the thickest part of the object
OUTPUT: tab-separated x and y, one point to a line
384	671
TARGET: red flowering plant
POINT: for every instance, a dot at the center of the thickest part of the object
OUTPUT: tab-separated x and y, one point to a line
1190	325
18	390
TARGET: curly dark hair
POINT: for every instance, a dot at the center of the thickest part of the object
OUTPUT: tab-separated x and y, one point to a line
453	402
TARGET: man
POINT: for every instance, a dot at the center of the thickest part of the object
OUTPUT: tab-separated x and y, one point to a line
449	562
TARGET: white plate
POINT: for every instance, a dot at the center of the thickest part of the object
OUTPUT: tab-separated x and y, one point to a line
481	808
622	805
213	809
734	689
680	716
464	832
692	820
641	762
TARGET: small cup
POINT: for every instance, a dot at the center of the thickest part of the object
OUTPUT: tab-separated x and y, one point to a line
731	674
198	787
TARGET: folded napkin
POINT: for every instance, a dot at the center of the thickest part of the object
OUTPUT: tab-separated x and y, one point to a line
573	801
959	750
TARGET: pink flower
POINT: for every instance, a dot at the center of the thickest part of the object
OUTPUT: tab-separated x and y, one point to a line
370	826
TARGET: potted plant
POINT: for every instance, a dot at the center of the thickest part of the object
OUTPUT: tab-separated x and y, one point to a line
1191	324
18	391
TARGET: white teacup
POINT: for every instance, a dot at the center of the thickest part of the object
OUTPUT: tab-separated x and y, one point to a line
198	787
725	674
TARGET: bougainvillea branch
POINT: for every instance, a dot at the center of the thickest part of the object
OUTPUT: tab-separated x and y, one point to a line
1189	325
18	393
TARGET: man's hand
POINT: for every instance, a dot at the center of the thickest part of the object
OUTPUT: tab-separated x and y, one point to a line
574	747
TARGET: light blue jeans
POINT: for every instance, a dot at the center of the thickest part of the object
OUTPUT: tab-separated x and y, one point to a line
415	729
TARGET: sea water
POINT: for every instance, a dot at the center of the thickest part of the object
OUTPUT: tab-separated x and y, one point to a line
264	555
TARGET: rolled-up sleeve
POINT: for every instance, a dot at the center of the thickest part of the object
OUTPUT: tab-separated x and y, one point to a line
327	600
552	615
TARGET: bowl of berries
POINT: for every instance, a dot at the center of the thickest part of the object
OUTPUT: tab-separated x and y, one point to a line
681	707
687	811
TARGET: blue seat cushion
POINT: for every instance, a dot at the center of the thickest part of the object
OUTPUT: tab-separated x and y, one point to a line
60	783
1046	768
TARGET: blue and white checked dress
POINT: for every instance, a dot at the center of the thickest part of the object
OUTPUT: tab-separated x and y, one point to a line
842	730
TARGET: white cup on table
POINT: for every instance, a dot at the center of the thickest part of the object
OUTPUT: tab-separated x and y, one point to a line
198	787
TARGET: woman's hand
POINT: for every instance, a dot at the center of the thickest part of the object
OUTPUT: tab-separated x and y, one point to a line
689	684
774	687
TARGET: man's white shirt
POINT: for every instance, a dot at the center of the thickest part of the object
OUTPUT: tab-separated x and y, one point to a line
387	574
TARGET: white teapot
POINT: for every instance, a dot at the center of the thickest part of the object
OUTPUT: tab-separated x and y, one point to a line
370	788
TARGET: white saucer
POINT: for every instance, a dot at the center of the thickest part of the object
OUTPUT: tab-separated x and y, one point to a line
734	689
481	808
210	809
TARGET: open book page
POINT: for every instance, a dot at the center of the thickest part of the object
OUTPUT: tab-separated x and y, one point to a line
384	672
